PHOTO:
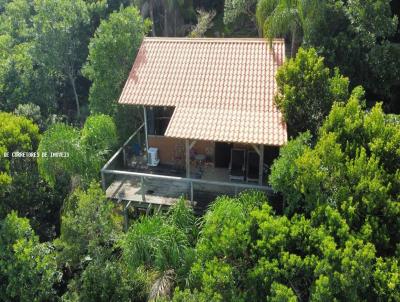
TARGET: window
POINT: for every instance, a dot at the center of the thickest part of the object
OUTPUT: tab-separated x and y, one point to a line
158	119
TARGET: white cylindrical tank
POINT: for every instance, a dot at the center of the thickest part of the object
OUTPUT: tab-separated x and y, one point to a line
153	159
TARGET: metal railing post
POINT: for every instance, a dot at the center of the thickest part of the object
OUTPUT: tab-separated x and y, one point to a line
103	181
142	188
191	192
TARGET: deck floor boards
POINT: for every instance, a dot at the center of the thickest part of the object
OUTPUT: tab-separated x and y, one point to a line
157	192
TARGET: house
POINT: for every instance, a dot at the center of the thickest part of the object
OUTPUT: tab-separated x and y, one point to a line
208	106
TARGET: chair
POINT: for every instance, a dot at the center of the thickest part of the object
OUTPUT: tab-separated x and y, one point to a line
237	164
253	166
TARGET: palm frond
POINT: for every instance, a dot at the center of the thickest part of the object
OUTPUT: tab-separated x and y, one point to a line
163	286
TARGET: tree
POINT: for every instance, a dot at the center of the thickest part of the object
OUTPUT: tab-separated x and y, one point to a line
89	228
247	253
204	23
162	244
111	54
150	6
21	188
89	253
61	33
31	197
233	9
307	89
17	134
276	18
357	37
353	167
28	269
107	280
60	138
82	152
30	111
172	6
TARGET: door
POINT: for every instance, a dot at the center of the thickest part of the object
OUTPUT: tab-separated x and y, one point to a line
222	155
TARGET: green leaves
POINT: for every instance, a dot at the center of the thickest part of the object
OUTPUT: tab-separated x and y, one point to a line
353	167
28	269
112	51
16	134
233	9
307	90
356	37
111	54
89	227
252	254
160	243
87	149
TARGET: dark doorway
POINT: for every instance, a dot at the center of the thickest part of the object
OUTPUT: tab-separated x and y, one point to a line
222	155
158	119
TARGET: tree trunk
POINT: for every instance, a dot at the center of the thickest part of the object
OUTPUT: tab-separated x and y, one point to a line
153	28
175	23
165	20
293	46
78	109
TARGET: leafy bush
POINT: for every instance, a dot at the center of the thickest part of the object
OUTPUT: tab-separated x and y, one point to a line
307	90
28	269
353	167
86	150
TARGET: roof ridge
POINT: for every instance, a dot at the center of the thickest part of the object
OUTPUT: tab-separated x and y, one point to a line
218	40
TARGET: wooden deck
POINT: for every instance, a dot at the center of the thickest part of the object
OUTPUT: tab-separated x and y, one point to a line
162	193
155	191
128	179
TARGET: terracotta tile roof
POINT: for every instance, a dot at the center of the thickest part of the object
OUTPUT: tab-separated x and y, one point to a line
223	89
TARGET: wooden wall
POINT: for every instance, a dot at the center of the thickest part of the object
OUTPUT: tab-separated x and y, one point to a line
172	150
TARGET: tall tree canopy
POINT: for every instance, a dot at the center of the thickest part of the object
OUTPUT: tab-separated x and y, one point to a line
22	80
28	269
357	37
353	167
17	134
247	253
61	29
307	89
111	54
83	151
277	18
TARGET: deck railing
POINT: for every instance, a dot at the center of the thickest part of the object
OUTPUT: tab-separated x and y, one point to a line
109	171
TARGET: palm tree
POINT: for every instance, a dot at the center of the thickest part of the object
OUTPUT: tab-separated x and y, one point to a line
277	18
163	244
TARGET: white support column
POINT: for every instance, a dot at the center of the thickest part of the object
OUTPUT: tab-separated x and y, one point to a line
187	143
145	132
261	165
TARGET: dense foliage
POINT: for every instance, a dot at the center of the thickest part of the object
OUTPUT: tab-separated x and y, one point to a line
247	253
77	153
28	269
307	90
357	36
63	64
111	53
17	134
353	167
